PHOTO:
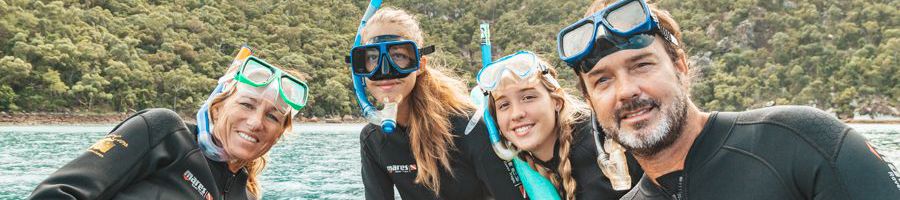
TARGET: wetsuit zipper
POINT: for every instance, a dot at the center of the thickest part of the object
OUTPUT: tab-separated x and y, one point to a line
228	186
680	192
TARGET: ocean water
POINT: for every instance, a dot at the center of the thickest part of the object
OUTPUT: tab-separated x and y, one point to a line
316	161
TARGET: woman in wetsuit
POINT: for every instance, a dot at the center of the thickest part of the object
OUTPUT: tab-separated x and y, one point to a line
426	156
154	154
536	115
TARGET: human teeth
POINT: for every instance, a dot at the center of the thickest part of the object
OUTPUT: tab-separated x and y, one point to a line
247	137
637	113
522	129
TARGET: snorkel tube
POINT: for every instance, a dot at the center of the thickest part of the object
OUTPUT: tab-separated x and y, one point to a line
536	186
387	117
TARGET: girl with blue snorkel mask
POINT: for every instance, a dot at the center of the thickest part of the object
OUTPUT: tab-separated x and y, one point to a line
425	156
551	128
156	154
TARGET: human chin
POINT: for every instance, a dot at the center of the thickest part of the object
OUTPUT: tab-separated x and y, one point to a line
655	135
531	136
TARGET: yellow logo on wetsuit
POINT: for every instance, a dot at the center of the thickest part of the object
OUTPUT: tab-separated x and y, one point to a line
103	145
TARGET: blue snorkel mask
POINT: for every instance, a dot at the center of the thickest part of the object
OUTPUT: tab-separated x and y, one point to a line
626	24
386	57
536	186
385	118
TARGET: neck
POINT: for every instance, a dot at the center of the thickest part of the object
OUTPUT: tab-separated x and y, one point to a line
235	165
403	112
672	158
544	152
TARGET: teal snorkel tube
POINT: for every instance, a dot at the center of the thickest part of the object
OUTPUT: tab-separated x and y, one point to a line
536	186
384	118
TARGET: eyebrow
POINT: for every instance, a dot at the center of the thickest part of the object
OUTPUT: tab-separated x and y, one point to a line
498	97
527	89
600	70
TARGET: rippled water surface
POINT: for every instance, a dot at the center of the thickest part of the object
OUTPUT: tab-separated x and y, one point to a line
317	161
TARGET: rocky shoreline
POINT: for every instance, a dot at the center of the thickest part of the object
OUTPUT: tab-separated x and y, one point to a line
114	118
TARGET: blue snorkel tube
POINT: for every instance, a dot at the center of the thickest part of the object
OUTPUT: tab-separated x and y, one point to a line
388	123
536	186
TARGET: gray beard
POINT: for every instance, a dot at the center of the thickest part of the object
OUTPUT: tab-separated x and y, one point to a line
650	141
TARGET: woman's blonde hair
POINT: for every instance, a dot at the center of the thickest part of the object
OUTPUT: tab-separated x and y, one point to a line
571	111
435	97
254	167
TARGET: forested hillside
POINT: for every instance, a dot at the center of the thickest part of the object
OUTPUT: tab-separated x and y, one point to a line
104	56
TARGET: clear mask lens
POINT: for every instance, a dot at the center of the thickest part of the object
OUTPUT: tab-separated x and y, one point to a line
267	95
577	40
521	65
626	17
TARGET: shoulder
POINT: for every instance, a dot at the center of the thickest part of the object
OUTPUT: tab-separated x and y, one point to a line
155	122
368	132
583	130
161	119
789	115
817	127
458	123
644	190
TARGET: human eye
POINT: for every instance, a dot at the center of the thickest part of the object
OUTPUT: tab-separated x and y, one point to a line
529	98
246	105
271	116
503	105
400	56
602	81
642	66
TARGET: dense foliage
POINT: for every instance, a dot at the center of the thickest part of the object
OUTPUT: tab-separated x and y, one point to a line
121	56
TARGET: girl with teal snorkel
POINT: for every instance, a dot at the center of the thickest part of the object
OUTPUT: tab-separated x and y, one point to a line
551	128
416	142
154	154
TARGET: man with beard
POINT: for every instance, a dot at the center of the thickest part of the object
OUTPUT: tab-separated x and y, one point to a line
634	74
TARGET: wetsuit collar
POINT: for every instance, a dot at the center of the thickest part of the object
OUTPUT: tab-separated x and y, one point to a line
713	136
553	163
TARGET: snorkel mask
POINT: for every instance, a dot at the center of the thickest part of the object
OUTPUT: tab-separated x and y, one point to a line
626	24
255	79
536	186
384	57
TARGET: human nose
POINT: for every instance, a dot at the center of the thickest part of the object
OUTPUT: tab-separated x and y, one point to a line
517	112
254	122
626	89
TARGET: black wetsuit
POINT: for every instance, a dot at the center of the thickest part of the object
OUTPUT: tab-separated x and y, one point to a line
590	183
477	173
151	155
784	152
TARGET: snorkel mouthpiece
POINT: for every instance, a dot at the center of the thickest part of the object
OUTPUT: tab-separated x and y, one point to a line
386	117
611	160
614	166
